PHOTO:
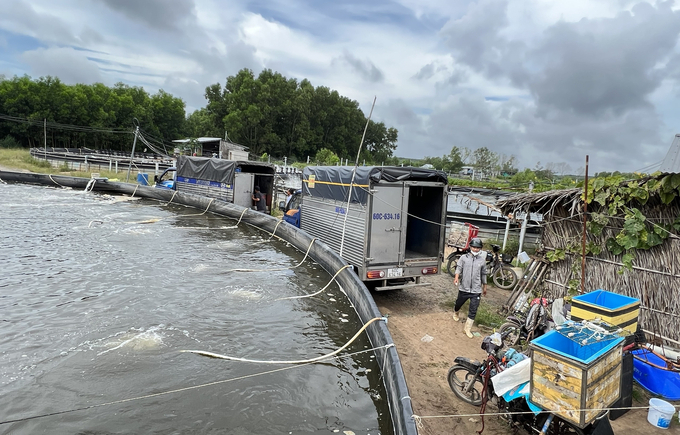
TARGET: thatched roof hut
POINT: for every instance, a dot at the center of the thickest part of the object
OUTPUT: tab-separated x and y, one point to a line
633	243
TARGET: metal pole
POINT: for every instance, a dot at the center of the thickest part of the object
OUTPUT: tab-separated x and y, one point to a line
523	232
45	134
132	155
507	230
583	243
354	172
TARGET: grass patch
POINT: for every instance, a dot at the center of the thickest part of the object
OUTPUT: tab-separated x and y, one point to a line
486	313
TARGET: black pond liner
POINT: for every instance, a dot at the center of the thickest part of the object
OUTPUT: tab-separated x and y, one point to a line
398	398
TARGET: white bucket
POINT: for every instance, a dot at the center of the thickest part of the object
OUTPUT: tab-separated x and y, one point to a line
660	413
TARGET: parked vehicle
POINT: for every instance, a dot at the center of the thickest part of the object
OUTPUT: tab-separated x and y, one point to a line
523	326
228	180
459	239
497	266
392	228
471	381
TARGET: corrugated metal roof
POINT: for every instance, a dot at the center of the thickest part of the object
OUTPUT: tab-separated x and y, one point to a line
672	161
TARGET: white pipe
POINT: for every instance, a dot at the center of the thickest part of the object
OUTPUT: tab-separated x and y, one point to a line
507	231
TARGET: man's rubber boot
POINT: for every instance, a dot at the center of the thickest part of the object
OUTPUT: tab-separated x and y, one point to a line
468	327
455	316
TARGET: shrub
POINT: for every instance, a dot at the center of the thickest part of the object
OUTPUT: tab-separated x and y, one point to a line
9	142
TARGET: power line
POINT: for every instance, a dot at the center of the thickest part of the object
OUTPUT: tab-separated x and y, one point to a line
67	127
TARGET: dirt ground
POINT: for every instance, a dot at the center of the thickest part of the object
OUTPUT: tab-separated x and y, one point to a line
428	340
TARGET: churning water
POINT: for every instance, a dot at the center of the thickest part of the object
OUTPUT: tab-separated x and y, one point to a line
98	296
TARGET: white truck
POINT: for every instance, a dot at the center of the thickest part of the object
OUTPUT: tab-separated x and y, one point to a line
392	230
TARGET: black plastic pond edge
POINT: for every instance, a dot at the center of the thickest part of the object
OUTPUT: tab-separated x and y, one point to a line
398	398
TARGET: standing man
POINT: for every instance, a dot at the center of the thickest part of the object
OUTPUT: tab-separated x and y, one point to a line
471	274
289	196
258	200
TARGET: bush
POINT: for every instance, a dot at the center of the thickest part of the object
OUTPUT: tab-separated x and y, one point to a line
9	142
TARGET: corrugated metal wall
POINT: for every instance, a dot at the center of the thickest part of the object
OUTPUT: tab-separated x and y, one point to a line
319	217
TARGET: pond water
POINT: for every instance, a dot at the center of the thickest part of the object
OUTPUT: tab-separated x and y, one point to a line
98	295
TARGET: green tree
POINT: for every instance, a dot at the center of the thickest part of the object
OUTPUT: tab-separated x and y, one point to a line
485	161
326	157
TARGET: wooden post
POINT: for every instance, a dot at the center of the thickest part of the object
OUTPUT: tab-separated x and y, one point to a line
583	243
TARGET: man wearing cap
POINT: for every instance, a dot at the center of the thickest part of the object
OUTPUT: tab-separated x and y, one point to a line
258	200
471	275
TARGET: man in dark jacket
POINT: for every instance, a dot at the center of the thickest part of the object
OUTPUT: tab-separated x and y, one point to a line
471	275
259	200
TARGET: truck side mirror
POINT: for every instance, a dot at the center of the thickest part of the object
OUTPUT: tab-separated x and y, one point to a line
282	205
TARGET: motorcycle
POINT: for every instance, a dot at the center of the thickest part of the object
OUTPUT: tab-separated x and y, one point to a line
497	265
471	381
520	327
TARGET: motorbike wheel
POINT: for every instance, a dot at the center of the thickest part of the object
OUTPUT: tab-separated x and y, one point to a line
459	378
505	278
562	427
513	331
452	263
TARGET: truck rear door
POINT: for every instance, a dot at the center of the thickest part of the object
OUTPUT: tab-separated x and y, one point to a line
385	227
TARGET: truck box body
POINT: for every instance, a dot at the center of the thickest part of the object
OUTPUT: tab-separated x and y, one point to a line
393	227
226	180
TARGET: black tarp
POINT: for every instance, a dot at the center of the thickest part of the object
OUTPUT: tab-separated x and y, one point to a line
333	181
204	168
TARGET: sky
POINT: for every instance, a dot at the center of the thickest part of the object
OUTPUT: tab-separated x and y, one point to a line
546	81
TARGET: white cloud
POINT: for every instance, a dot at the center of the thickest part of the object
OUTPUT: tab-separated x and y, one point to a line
69	65
539	79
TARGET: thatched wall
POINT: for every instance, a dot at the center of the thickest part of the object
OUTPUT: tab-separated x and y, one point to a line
655	278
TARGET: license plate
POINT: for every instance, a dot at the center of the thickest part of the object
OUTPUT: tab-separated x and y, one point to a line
395	273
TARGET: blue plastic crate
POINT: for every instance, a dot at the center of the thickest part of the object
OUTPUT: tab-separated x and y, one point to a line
555	342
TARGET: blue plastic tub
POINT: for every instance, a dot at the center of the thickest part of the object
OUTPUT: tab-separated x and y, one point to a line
555	342
143	179
615	309
665	383
607	300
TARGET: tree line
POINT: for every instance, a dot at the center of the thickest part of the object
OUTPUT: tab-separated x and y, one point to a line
94	116
283	117
269	113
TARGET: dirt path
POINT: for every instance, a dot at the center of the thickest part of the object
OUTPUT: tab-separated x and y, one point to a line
428	340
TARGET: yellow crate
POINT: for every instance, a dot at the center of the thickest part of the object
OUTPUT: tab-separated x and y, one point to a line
619	310
572	381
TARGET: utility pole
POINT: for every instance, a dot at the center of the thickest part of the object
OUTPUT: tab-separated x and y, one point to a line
132	155
45	134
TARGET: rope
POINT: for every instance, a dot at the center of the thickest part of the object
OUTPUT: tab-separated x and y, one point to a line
239	219
171	198
54	181
204	211
134	191
304	361
178	390
90	185
275	270
314	294
420	417
277	225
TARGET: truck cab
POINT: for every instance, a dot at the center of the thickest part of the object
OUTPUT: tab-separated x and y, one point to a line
167	179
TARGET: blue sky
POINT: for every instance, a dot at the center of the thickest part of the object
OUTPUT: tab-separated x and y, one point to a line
543	80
